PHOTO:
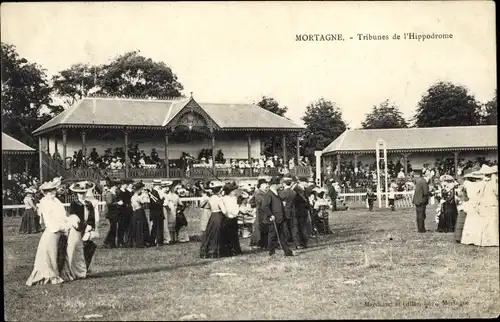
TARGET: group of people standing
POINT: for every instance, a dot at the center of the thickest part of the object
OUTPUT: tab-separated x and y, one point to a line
142	217
66	249
468	208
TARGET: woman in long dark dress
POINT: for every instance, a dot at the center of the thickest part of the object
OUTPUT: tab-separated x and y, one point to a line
231	229
139	230
30	220
449	211
213	243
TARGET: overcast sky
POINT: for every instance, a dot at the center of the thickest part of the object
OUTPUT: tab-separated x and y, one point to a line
237	52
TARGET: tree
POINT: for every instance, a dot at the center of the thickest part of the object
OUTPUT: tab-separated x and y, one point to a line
26	96
127	75
270	104
384	116
324	123
490	112
446	104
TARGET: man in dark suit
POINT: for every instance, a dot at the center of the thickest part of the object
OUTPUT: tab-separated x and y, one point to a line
274	215
420	200
302	208
332	192
124	195
113	214
157	217
260	229
287	195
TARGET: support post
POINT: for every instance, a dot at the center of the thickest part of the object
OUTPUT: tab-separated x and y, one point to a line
167	165
26	165
338	165
55	144
213	151
249	146
405	163
9	172
274	145
298	149
40	158
455	156
48	146
356	170
125	132
64	139
84	147
318	168
284	149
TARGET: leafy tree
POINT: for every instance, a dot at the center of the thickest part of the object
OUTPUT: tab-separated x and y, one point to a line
324	123
26	96
270	104
490	112
446	104
127	75
384	116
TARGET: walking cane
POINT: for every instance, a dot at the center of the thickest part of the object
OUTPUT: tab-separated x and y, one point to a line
277	234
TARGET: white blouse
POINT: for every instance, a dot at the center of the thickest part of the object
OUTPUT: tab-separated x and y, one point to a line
231	205
136	201
53	214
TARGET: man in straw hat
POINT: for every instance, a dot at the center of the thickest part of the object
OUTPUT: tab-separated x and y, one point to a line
274	216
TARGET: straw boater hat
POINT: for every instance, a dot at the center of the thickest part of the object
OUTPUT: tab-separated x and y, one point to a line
473	175
216	184
30	190
51	185
82	186
446	177
487	170
156	182
166	183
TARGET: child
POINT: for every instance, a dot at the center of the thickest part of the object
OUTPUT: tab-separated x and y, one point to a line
370	198
322	208
392	195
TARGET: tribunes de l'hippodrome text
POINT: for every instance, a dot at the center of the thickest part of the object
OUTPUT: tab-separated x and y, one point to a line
406	35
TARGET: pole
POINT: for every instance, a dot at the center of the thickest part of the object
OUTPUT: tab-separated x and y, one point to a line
40	166
318	167
386	178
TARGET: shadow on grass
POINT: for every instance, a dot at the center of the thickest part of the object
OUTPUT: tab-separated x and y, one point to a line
146	270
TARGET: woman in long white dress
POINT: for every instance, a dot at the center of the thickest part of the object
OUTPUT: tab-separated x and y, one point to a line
481	224
53	216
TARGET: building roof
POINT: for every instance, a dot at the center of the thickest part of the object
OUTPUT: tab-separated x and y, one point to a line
142	113
11	145
416	139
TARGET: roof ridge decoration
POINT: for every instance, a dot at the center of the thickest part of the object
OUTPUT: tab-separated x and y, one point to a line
136	97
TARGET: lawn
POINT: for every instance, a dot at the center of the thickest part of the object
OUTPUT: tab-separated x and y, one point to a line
374	266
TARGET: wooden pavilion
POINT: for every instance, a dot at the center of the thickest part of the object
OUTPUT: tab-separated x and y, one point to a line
172	126
17	153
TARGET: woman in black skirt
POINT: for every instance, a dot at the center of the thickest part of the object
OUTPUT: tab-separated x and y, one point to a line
449	211
139	230
213	243
30	222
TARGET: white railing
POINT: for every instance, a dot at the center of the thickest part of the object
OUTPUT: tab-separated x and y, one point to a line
400	203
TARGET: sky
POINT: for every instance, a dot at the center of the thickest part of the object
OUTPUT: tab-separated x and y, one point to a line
228	52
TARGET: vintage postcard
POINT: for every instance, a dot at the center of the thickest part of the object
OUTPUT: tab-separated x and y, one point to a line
256	160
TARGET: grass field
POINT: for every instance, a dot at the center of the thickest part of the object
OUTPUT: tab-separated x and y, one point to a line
374	266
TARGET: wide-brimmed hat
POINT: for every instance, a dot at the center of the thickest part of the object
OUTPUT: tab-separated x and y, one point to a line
216	184
166	183
156	182
244	195
473	175
137	186
51	185
446	177
287	180
82	186
487	170
30	190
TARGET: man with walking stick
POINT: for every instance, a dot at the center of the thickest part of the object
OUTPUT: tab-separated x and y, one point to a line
274	213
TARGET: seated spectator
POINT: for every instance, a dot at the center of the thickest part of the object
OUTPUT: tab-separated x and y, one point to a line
154	156
401	174
94	155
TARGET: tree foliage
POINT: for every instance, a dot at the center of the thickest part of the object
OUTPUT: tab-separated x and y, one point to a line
26	96
272	105
446	104
490	112
324	123
127	75
384	116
